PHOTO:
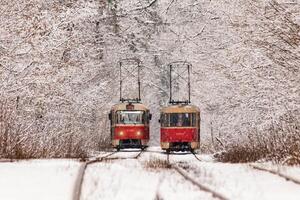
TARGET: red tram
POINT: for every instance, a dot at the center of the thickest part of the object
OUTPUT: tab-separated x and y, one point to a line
129	125
180	128
180	121
130	118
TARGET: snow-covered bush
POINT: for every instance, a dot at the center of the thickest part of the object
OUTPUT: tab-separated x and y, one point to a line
279	143
23	141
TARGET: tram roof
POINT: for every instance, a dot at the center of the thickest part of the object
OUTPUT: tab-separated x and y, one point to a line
180	108
122	106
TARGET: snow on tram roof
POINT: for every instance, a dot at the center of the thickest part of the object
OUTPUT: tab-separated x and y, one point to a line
180	108
122	106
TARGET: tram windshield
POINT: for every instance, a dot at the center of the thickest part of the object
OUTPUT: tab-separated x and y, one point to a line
130	117
178	120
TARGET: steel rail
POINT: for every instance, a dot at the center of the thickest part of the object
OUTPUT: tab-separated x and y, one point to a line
194	182
80	177
199	185
286	177
196	157
82	170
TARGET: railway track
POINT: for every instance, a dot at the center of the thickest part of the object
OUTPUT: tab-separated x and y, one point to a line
189	178
274	172
277	173
196	156
181	170
80	178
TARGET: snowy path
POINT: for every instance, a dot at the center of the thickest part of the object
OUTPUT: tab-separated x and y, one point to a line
128	175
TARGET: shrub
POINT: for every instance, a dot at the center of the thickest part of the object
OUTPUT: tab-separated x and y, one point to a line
19	141
157	163
279	143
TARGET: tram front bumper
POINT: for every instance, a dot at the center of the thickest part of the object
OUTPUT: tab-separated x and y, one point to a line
179	146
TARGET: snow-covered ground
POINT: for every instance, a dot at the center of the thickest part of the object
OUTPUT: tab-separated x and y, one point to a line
129	179
38	180
133	179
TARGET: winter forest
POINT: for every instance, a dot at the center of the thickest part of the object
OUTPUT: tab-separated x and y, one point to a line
59	72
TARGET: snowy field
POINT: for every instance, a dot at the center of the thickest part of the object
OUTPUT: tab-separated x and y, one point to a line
127	175
38	179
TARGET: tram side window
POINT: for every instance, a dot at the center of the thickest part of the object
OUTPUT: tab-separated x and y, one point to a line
182	119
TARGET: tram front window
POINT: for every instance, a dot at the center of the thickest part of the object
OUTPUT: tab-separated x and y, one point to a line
178	120
130	117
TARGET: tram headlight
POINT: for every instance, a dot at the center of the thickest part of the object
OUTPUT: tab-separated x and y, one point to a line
121	133
139	133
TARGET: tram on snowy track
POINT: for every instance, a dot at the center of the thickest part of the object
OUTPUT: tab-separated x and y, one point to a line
130	118
130	125
180	121
180	128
